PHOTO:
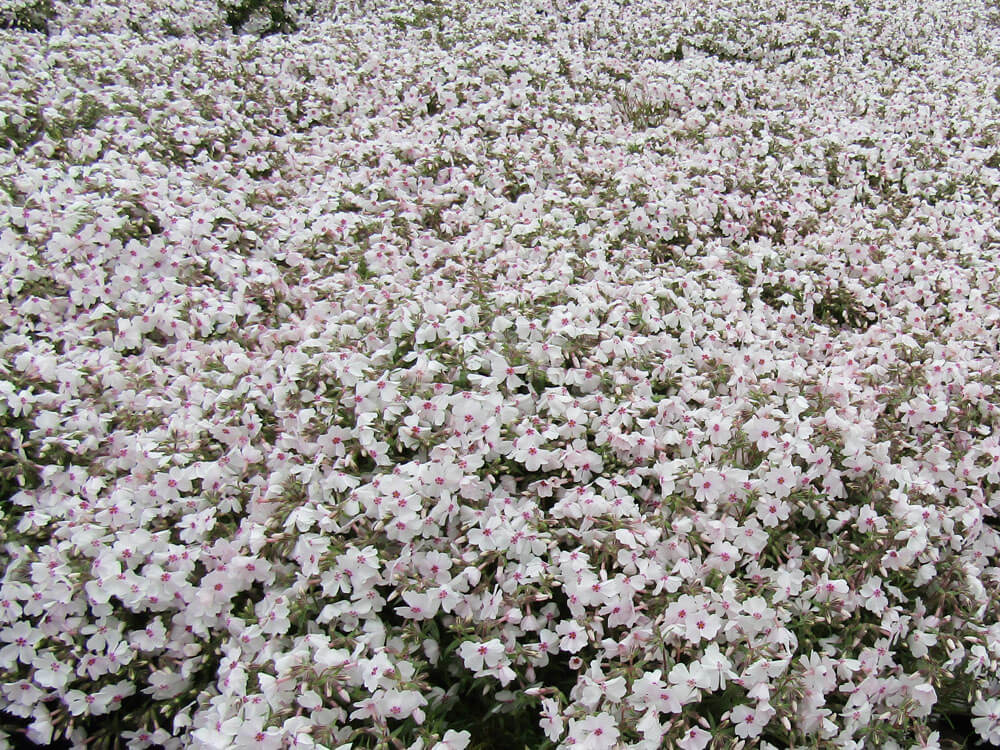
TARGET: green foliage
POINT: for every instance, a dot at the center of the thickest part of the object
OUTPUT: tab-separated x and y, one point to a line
263	16
473	706
641	111
19	131
31	15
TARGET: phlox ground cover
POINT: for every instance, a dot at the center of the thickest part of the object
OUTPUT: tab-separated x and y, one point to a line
488	374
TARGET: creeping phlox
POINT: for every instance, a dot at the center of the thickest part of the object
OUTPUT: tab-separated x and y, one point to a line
536	373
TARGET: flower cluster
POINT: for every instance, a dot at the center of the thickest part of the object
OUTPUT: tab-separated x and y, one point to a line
589	375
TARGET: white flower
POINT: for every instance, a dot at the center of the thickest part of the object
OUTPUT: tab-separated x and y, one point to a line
987	720
51	672
771	511
21	639
872	596
551	720
596	687
708	486
453	740
780	482
714	668
165	684
749	721
478	656
574	637
762	431
420	605
598	732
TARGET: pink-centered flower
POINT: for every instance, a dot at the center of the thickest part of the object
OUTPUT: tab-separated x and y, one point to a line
478	656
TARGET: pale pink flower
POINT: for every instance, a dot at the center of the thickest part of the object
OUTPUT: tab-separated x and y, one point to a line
872	597
21	639
771	511
598	732
750	721
986	721
691	676
694	738
701	625
453	740
708	486
551	720
719	429
478	656
780	482
420	605
762	431
574	637
714	668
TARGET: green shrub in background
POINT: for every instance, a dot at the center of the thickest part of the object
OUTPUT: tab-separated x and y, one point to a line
264	17
27	15
259	16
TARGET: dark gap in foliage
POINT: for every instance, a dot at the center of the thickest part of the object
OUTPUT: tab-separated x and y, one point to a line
34	17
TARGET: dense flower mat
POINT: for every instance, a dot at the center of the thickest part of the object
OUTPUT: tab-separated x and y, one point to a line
501	374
